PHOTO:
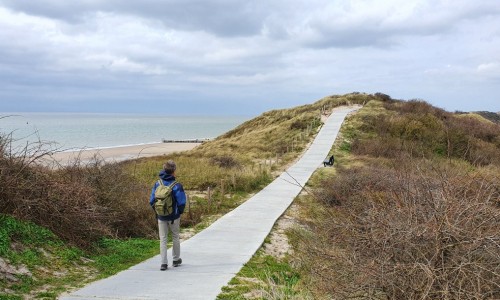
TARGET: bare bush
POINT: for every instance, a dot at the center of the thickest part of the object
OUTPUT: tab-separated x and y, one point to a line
383	97
226	161
122	196
300	124
379	147
81	203
417	106
419	230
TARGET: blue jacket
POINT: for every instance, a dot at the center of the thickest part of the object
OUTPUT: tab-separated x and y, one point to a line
177	192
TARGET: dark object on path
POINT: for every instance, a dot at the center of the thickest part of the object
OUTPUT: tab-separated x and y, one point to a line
177	262
329	162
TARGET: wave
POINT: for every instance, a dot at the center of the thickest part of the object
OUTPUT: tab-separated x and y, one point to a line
76	149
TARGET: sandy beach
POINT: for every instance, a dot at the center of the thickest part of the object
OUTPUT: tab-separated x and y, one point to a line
116	154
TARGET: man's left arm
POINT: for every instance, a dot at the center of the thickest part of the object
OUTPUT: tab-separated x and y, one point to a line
180	197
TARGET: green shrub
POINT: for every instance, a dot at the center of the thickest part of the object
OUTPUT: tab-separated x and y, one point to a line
416	129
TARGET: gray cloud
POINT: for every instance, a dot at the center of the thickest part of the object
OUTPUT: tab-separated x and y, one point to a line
369	25
93	54
320	23
220	17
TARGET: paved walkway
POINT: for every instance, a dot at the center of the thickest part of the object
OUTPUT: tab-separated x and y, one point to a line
213	256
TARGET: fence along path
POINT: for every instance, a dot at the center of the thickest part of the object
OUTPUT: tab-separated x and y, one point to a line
213	256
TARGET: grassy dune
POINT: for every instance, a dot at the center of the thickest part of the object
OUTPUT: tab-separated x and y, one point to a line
116	228
410	211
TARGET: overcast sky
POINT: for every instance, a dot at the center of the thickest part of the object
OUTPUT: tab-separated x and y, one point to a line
244	57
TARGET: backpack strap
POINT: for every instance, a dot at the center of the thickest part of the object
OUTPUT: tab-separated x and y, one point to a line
171	187
173	184
160	182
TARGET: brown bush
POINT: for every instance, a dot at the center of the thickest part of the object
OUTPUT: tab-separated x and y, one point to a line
80	203
483	154
419	230
488	132
475	141
119	193
378	147
383	97
225	161
418	107
300	124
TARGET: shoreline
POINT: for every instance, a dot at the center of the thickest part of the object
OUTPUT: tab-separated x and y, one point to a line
119	153
75	149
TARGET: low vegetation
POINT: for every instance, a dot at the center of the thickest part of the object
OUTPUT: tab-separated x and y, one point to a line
263	277
491	116
35	263
410	211
104	199
413	211
416	129
101	198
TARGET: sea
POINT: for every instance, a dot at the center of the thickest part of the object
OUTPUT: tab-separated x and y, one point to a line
76	131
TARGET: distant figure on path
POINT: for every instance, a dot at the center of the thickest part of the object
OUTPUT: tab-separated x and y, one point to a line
168	201
329	162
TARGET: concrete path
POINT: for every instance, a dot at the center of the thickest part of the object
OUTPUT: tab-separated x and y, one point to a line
212	257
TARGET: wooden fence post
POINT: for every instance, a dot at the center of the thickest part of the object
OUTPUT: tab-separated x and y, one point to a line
222	188
189	207
209	196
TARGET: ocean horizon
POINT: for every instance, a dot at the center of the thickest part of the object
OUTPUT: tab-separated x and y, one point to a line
77	131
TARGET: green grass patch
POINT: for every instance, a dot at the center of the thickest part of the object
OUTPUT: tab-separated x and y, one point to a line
26	245
264	277
118	255
10	297
345	147
26	233
46	295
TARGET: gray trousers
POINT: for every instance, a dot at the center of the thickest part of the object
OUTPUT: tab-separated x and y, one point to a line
164	227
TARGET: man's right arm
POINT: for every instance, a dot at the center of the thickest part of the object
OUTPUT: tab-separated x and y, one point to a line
152	197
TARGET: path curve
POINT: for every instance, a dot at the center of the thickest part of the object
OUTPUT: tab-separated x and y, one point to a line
215	255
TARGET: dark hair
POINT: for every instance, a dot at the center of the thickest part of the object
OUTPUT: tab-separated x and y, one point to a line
169	167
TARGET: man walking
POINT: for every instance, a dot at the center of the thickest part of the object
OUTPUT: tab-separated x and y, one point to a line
175	207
